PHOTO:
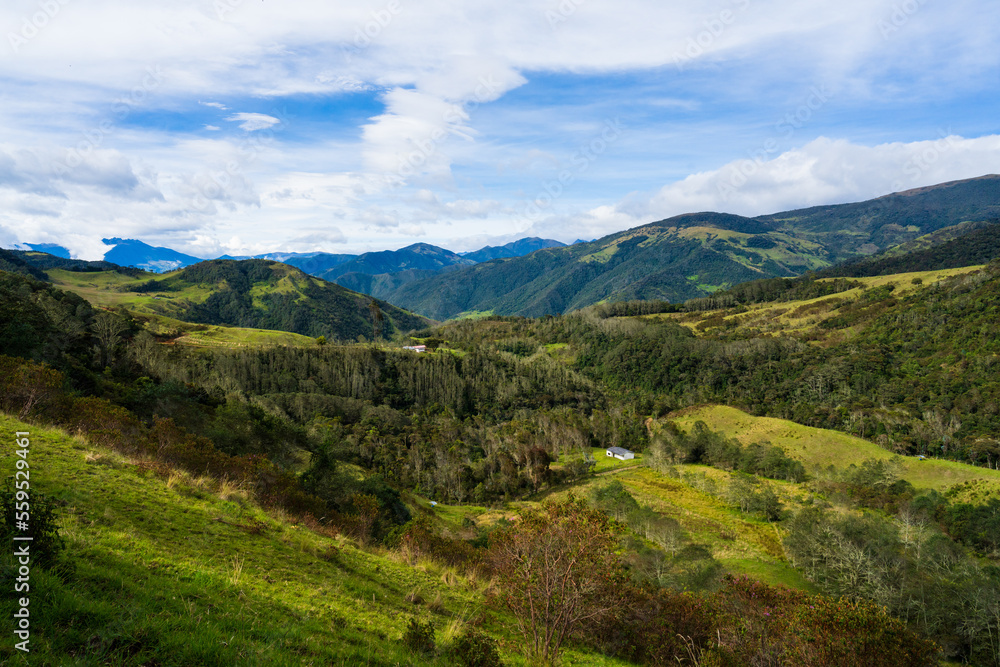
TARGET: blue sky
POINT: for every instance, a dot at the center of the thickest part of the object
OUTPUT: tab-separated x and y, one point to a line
234	126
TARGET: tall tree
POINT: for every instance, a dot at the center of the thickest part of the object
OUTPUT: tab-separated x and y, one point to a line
556	570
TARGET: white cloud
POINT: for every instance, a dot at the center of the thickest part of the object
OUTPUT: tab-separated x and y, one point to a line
827	171
437	70
824	171
251	122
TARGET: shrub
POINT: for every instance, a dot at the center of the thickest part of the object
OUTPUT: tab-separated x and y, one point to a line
475	649
419	637
46	544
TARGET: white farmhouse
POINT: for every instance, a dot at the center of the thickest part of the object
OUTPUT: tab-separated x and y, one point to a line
620	453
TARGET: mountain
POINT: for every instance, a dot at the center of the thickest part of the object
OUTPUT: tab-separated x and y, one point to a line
419	256
695	254
13	261
269	295
979	246
385	283
50	248
253	293
676	259
313	263
865	228
517	248
40	262
130	252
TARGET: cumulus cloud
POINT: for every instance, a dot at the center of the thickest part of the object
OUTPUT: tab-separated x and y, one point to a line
251	122
824	171
438	101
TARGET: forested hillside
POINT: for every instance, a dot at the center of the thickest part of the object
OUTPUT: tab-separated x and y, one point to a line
247	293
978	246
845	229
696	254
515	409
675	259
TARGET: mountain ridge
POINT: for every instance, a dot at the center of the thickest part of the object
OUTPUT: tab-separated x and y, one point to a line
694	254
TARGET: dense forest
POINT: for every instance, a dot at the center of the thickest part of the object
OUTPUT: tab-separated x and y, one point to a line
348	432
976	247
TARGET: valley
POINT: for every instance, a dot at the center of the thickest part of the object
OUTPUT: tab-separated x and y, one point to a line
246	466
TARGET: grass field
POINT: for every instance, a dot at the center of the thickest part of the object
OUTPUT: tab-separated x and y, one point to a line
109	289
177	572
742	544
817	447
790	317
605	463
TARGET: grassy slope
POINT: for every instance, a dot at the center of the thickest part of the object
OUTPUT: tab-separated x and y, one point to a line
168	573
210	335
790	317
165	310
104	289
741	543
821	447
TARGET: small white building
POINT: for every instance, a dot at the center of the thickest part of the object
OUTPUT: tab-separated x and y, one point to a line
620	453
415	348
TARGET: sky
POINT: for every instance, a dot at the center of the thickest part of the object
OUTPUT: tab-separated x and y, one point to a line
245	127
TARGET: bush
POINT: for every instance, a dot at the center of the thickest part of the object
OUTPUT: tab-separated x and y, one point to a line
46	544
474	649
419	637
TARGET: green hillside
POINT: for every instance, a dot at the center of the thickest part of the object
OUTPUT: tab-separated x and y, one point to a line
180	570
675	260
819	448
847	230
256	294
501	418
696	254
965	245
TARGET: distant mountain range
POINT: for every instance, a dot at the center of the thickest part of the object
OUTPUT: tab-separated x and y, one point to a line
696	254
676	259
517	248
415	261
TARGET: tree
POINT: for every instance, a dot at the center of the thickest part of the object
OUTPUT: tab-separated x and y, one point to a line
108	330
377	319
556	569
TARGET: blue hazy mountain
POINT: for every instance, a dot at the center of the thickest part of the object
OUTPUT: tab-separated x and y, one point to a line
517	248
50	248
130	252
